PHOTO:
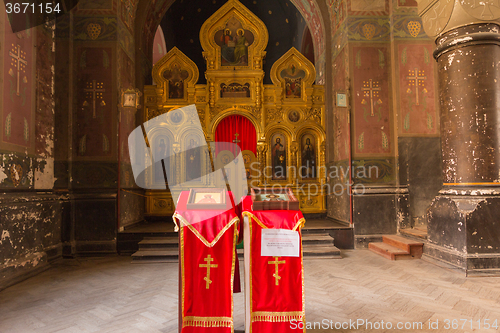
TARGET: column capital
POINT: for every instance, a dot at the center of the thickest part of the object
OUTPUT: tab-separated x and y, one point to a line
441	16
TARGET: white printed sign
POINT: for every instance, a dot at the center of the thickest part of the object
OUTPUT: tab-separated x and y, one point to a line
280	243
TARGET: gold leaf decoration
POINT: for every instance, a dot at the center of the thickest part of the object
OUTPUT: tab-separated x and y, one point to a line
404	58
429	121
414	28
82	147
26	132
369	31
426	56
358	59
105	143
381	59
361	141
94	30
105	59
8	125
406	122
385	141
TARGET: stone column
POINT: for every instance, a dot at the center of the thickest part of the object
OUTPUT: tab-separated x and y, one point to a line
463	220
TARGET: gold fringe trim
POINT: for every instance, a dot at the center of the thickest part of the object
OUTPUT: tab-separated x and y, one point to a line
208	322
300	224
184	223
277	317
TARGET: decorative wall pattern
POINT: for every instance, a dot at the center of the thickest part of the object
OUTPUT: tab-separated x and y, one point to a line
337	13
371	102
17	93
95	28
368	29
368	7
418	112
341	125
94	116
408	27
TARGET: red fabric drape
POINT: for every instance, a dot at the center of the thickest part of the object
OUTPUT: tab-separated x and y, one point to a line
231	125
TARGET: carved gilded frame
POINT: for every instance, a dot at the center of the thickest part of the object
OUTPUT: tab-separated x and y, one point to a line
217	22
175	56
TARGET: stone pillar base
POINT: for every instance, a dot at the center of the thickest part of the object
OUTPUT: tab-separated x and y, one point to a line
464	231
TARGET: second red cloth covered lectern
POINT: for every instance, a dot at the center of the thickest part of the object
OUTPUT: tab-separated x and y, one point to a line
274	286
207	264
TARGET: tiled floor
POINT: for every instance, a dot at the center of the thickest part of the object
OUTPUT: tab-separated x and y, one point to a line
112	295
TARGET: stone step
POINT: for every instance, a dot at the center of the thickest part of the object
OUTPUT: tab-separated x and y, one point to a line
325	239
388	251
321	252
158	243
414	248
153	256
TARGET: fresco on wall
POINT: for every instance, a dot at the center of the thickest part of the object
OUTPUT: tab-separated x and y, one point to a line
340	119
17	92
368	5
94	130
417	89
372	125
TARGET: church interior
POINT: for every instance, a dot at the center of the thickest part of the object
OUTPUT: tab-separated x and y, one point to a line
380	116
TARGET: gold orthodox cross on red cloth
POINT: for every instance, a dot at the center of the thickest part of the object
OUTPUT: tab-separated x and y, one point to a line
371	89
416	78
18	61
276	262
236	135
94	90
208	265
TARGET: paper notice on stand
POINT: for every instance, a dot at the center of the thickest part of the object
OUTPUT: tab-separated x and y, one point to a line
280	243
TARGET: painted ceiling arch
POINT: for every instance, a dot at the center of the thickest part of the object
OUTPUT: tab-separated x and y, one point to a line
149	14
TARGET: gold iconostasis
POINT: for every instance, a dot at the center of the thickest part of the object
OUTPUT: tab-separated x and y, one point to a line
279	127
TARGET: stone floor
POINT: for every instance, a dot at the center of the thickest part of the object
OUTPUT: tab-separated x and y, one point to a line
111	295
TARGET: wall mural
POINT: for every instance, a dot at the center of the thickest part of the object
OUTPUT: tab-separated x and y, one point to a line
234	42
341	124
93	123
416	89
372	130
17	92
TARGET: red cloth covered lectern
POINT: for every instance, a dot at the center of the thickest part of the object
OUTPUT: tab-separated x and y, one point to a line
274	286
206	265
